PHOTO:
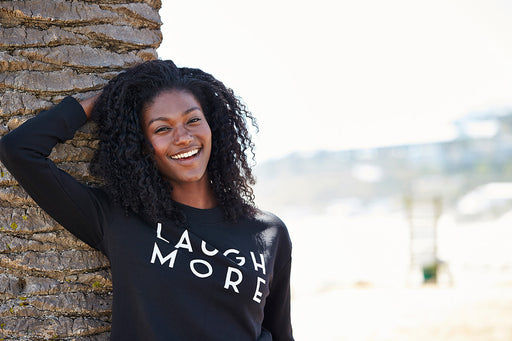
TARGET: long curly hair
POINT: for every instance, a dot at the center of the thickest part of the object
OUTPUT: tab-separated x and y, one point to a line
124	161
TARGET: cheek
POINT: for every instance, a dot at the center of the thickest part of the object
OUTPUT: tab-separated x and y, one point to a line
208	134
209	142
159	150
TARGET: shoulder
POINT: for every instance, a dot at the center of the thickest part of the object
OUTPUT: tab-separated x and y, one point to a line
273	227
104	201
268	218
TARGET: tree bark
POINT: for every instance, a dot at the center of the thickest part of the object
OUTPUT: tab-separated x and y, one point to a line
53	286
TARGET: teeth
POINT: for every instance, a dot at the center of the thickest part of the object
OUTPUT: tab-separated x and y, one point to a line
185	155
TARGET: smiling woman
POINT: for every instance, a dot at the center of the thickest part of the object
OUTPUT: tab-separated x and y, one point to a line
176	128
164	95
192	258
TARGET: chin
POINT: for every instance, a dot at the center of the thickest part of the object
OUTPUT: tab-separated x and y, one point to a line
188	180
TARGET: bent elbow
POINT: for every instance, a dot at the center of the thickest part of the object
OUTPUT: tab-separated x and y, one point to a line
8	148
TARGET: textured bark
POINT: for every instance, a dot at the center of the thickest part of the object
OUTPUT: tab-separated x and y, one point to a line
53	286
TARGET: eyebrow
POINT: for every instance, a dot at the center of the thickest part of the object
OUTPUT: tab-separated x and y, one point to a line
161	118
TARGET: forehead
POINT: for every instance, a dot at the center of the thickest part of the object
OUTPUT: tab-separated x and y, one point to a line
171	104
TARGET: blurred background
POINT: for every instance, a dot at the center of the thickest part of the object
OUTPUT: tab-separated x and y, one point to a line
385	145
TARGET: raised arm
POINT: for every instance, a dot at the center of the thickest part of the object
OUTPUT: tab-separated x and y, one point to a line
24	152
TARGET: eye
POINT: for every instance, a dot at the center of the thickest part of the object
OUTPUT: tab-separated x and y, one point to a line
161	129
194	120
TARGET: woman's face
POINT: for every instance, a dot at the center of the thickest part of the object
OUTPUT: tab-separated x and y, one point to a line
175	125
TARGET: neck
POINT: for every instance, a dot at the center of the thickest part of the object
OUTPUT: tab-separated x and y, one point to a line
197	194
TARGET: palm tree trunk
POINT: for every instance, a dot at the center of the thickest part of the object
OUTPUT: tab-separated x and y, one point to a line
51	284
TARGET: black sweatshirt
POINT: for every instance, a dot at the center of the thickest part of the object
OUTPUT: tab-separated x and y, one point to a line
212	281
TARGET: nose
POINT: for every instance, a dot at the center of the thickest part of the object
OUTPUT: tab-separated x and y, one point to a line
182	136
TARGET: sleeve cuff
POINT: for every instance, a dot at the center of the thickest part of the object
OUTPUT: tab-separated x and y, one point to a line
72	113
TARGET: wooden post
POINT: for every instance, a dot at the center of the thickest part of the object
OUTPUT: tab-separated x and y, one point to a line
51	284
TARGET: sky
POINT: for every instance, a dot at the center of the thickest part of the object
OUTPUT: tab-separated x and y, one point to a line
337	75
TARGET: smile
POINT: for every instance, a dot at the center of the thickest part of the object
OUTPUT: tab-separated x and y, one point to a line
185	155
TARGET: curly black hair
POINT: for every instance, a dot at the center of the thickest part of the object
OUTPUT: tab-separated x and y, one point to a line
124	161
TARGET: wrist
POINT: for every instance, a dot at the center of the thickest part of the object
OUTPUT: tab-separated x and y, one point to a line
88	104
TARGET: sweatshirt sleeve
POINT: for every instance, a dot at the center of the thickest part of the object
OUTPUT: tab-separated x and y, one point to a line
24	152
277	307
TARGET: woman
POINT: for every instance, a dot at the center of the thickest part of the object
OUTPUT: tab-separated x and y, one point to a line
191	256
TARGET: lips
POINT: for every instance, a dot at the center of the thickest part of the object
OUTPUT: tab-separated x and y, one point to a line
185	155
